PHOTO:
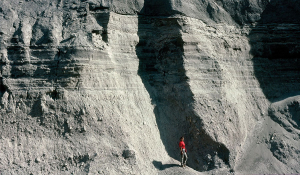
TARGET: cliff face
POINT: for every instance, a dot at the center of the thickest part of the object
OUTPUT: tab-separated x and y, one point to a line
274	44
108	87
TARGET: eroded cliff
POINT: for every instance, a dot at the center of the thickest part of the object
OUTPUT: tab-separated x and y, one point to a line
108	87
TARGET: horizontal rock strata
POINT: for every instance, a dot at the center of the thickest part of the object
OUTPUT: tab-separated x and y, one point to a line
106	87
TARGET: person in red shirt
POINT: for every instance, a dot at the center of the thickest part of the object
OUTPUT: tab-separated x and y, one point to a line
183	152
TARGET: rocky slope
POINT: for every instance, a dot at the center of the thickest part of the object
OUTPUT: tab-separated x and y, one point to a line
108	87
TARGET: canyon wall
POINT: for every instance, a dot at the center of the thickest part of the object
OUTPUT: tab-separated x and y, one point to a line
108	87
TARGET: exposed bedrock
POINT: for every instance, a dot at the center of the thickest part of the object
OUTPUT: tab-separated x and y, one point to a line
275	46
108	87
161	67
71	99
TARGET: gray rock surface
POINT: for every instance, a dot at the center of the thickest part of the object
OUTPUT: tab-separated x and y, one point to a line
108	87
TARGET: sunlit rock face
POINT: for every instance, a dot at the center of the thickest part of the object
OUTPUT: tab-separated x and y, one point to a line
108	87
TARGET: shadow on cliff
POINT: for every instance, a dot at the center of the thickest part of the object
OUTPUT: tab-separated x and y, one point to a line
161	68
275	48
161	166
3	88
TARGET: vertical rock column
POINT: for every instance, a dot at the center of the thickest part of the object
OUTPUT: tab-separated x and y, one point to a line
161	55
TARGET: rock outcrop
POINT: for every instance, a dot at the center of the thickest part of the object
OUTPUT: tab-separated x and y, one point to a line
108	87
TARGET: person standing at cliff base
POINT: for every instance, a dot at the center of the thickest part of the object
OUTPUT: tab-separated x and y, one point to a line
183	152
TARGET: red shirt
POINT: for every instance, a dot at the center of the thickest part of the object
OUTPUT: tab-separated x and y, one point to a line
182	144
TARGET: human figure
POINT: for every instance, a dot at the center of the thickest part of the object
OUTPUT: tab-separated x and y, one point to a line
183	152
